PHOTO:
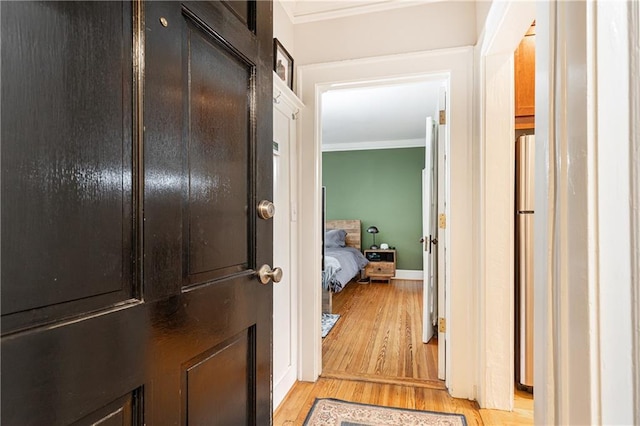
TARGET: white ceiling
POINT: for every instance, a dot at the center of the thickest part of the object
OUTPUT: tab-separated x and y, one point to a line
389	116
380	116
301	11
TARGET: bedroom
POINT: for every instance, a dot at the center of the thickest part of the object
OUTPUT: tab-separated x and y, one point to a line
372	161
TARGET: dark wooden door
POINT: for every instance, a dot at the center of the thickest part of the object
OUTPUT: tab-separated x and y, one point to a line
136	145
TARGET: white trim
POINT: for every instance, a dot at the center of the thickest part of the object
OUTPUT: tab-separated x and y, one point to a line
282	93
544	343
506	24
584	318
612	176
572	241
312	81
362	146
497	165
634	163
288	7
408	274
392	79
310	296
353	8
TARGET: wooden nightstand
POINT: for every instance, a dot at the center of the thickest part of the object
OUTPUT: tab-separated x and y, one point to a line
381	266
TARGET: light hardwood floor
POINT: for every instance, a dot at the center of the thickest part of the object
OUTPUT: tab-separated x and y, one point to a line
379	336
374	355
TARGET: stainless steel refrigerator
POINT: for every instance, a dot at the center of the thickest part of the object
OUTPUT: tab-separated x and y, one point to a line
525	155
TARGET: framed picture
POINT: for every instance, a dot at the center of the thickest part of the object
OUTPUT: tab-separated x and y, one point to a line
282	63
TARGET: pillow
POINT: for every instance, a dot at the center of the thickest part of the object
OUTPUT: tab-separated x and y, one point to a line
335	238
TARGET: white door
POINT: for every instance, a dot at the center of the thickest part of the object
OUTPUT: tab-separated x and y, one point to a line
285	293
442	233
429	229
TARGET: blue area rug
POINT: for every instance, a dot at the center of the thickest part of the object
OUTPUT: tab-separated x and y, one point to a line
328	321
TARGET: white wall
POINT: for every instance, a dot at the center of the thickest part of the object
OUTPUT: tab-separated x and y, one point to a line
283	27
283	30
409	29
584	312
482	10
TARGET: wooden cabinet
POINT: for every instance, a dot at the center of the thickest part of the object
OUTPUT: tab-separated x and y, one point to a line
525	81
382	264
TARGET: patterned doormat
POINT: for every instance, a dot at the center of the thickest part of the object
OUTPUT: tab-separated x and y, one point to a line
334	412
328	321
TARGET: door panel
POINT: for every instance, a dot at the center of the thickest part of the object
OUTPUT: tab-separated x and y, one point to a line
433	226
430	232
218	156
220	368
67	217
136	186
55	376
124	411
427	234
217	74
245	11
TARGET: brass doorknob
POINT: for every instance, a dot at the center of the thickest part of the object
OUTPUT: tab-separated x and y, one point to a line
265	273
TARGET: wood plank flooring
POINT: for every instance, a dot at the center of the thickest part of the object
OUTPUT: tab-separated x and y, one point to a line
378	336
361	356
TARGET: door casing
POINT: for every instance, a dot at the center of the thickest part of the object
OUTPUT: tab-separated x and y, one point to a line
315	79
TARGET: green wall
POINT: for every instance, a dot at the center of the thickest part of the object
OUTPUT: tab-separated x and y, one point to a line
383	188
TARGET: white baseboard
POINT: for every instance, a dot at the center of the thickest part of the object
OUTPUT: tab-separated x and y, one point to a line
408	274
283	386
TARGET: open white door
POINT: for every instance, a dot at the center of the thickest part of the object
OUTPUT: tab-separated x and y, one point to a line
442	234
429	213
285	294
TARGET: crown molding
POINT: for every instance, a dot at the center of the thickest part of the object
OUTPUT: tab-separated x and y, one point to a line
353	9
289	7
362	146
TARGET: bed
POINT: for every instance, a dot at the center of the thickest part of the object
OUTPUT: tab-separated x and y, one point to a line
342	257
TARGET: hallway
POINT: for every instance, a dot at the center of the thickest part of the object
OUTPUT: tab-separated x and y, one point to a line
374	355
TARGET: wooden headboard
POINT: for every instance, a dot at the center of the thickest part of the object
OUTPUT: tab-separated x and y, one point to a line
352	227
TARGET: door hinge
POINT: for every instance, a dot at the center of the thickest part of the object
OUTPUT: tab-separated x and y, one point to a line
442	325
443	116
442	221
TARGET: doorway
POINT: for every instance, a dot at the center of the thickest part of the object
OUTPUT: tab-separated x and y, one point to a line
373	151
316	79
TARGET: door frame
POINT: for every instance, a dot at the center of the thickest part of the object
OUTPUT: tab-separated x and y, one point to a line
506	24
312	81
286	103
587	297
